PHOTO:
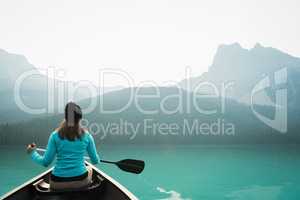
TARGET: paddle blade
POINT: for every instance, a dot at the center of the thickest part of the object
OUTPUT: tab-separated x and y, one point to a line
132	166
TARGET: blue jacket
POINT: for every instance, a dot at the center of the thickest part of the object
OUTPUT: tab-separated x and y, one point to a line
69	154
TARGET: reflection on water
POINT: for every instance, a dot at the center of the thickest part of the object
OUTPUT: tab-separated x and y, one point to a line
173	194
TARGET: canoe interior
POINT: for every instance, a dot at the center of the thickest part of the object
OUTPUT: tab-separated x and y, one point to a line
106	191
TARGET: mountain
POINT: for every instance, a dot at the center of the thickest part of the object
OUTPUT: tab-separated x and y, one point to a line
169	116
244	69
172	115
12	66
34	90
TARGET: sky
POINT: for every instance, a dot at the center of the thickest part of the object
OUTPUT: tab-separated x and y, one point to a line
150	40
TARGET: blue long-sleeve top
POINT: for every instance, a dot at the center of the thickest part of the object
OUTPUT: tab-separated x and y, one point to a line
69	154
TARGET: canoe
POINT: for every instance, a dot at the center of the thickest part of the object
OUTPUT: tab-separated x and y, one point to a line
104	187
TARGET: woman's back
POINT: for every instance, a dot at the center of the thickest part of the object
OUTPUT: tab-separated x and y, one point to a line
69	154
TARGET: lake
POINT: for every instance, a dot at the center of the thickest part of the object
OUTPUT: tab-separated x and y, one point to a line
195	172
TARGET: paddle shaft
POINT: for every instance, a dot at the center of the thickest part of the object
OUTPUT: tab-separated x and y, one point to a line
109	162
85	157
44	150
125	165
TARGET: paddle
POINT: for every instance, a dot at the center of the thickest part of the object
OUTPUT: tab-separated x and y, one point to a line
128	165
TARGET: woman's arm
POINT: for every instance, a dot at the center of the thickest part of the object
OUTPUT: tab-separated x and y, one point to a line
92	151
48	156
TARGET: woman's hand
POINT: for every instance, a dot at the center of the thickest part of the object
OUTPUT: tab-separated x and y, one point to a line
31	147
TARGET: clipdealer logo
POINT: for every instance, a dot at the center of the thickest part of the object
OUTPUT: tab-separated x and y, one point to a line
279	122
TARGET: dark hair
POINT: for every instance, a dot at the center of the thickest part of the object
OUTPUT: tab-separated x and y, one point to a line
70	128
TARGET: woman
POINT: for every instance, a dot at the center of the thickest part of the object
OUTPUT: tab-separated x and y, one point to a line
68	143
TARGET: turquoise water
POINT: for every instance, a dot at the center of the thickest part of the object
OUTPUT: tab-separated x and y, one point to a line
187	172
